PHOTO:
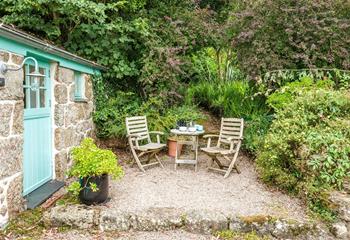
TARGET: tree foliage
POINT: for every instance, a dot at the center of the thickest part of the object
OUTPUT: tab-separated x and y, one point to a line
280	34
145	44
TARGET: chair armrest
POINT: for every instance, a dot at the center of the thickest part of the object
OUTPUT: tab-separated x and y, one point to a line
156	132
133	137
237	144
210	136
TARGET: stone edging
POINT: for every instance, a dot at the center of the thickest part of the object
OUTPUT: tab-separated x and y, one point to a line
160	219
341	204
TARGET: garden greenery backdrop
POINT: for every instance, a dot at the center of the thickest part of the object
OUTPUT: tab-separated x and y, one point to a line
280	64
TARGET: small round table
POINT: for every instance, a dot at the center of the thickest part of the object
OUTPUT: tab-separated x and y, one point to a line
193	143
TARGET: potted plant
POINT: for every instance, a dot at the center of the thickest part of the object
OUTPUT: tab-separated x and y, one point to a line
172	142
92	166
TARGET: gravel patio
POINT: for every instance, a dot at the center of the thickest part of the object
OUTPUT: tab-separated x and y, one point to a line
184	204
187	190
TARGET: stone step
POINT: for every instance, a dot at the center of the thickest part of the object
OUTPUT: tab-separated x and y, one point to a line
162	219
341	202
347	187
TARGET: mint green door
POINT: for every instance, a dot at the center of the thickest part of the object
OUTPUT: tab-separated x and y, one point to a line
37	165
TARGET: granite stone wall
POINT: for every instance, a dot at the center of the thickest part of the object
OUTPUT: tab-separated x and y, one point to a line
72	118
11	139
71	122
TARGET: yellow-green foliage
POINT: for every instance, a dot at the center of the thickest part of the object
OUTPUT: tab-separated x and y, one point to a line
286	94
231	235
89	161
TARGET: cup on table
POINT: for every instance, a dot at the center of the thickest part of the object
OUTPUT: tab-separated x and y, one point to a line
199	127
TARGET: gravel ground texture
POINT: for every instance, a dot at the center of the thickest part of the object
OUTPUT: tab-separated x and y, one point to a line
167	235
185	190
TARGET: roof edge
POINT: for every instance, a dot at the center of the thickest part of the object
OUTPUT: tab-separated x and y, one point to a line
25	38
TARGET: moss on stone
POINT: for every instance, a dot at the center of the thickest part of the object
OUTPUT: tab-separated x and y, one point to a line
232	235
28	225
67	199
260	219
183	218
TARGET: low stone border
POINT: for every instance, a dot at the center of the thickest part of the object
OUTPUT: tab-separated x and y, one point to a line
156	219
341	204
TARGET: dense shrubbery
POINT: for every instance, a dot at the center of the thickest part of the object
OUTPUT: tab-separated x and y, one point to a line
146	44
235	99
110	117
285	34
113	107
306	150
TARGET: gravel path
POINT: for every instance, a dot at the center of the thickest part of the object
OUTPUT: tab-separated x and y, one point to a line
167	235
185	190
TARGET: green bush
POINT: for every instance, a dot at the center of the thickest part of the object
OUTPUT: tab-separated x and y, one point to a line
113	108
307	148
235	99
90	161
337	78
286	94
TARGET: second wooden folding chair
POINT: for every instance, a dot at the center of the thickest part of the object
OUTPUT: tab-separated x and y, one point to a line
227	147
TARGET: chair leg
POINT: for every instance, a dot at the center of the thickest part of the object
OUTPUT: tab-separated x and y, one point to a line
218	162
137	160
148	158
211	161
160	162
237	169
232	164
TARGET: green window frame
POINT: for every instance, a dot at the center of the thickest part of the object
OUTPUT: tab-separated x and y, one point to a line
79	83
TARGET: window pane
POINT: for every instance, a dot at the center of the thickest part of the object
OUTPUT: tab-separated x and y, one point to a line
24	75
42	98
33	99
78	85
24	98
31	68
42	79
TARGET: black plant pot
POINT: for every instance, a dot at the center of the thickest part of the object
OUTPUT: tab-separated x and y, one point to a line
87	196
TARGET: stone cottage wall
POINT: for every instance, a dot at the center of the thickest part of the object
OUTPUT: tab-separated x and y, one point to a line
11	139
73	119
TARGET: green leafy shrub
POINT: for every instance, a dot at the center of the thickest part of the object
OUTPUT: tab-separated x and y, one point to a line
113	107
307	149
274	80
90	161
235	99
286	94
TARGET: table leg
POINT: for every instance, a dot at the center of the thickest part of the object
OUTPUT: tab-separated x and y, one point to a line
176	154
196	152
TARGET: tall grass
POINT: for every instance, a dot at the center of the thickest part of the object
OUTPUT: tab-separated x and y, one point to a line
235	99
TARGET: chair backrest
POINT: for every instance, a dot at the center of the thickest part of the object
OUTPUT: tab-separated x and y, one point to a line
137	125
230	127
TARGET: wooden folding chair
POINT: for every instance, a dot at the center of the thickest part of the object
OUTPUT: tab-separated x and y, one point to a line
227	147
137	132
